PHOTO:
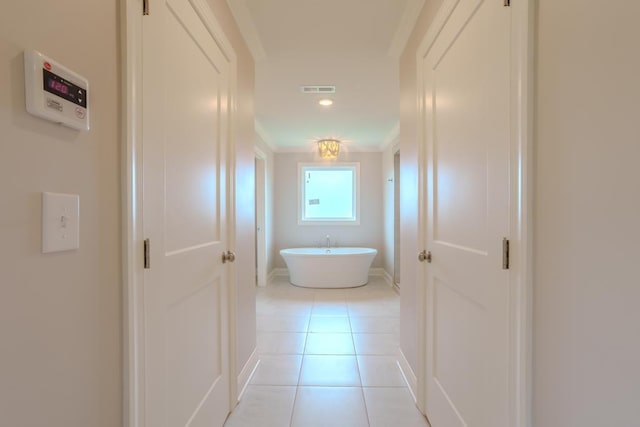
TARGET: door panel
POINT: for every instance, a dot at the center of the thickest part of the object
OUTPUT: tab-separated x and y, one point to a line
193	359
466	92
185	116
191	108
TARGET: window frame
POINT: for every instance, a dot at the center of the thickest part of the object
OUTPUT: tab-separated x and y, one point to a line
303	167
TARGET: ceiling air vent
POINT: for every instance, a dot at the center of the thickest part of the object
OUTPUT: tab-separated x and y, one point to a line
318	89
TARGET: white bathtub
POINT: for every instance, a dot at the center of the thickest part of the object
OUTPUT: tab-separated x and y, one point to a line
328	267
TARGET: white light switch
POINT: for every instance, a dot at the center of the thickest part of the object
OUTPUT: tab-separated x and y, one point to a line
60	222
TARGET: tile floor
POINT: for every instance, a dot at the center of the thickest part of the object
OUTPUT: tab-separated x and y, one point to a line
327	358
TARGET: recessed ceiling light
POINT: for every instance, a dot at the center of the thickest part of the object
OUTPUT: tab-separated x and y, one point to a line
325	102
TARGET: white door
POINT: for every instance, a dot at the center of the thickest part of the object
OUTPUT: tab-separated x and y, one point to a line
466	75
185	132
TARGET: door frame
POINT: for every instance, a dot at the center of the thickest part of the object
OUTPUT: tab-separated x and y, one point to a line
133	353
397	260
261	218
521	207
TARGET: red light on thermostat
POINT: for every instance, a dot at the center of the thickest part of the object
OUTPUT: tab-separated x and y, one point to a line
47	66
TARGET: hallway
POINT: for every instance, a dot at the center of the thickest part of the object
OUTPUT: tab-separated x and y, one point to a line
328	358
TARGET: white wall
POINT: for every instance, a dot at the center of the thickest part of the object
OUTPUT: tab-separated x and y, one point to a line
587	215
289	234
60	313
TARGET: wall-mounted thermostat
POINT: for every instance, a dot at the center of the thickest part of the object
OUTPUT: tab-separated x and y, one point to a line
54	92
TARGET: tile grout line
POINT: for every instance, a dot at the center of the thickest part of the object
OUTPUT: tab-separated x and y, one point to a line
364	400
304	350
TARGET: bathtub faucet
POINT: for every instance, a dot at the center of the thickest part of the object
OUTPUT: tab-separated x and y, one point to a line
328	241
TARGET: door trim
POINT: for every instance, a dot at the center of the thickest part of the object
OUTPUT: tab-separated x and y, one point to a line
521	207
261	218
131	215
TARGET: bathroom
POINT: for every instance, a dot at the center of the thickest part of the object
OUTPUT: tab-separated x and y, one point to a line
367	231
279	224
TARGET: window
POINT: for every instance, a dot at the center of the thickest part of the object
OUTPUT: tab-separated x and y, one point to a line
329	194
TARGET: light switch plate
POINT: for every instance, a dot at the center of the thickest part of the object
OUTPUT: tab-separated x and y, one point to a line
60	222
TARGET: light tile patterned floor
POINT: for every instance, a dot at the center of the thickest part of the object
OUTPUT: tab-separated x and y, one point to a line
327	358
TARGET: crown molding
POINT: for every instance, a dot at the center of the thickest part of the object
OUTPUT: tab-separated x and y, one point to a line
405	27
312	148
391	138
248	29
262	134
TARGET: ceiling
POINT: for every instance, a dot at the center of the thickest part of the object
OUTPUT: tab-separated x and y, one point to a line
353	45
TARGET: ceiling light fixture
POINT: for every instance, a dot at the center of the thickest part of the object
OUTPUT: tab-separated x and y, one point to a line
325	102
329	148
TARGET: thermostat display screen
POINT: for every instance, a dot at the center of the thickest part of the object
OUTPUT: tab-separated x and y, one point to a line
63	88
54	92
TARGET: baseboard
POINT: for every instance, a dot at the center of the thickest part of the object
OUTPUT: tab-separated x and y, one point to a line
409	377
247	372
279	272
373	272
388	278
377	272
271	275
381	272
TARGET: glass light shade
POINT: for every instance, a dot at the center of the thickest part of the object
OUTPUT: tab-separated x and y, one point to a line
329	148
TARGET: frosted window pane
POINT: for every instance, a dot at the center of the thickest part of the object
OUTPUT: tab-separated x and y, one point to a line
328	193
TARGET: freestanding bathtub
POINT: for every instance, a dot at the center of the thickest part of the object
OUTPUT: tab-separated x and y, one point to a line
328	267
